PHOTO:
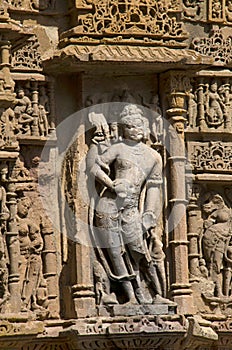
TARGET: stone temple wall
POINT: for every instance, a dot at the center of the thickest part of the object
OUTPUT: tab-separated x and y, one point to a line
115	174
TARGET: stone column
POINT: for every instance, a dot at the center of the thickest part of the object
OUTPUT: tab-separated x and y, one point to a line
82	291
201	106
176	85
13	251
193	234
35	113
50	269
51	95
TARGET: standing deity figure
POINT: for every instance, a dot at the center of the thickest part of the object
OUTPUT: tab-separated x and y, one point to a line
214	106
31	245
44	110
216	239
23	112
4	216
127	209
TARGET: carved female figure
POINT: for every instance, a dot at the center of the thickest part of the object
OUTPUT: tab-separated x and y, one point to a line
214	106
31	245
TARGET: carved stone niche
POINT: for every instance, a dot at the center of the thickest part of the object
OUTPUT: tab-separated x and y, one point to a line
123	259
32	113
209	232
209	103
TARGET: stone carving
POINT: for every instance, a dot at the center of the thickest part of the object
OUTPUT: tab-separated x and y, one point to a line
216	45
220	11
216	10
215	107
131	18
209	105
193	10
157	122
19	171
9	128
191	107
30	114
216	243
212	156
28	57
23	112
126	241
228	11
39	5
4	216
32	285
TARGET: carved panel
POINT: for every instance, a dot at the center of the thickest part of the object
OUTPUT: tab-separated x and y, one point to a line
216	45
209	104
31	115
216	10
211	242
220	11
132	19
32	5
27	58
194	10
211	156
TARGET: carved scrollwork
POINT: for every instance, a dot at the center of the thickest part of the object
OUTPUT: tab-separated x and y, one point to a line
28	57
216	45
212	156
32	5
132	19
193	10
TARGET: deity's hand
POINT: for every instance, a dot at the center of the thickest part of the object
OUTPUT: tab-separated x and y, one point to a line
4	216
120	186
148	220
208	223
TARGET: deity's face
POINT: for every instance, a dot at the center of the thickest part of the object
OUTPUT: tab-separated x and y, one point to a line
21	93
213	87
23	207
133	129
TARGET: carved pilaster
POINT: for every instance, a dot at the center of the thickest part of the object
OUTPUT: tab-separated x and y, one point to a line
194	214
35	102
50	270
14	251
176	85
51	95
82	291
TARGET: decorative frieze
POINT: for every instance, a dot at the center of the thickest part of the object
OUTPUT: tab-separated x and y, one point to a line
216	45
28	57
211	156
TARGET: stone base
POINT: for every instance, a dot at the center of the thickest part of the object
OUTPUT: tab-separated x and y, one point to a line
135	310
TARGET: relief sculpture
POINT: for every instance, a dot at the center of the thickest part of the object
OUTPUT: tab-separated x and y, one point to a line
32	284
129	176
216	240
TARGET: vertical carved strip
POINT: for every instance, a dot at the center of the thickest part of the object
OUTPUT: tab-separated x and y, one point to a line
181	292
193	237
51	94
35	113
50	270
14	251
201	108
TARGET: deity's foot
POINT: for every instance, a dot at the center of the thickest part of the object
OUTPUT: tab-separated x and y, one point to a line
140	297
109	299
132	300
158	299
